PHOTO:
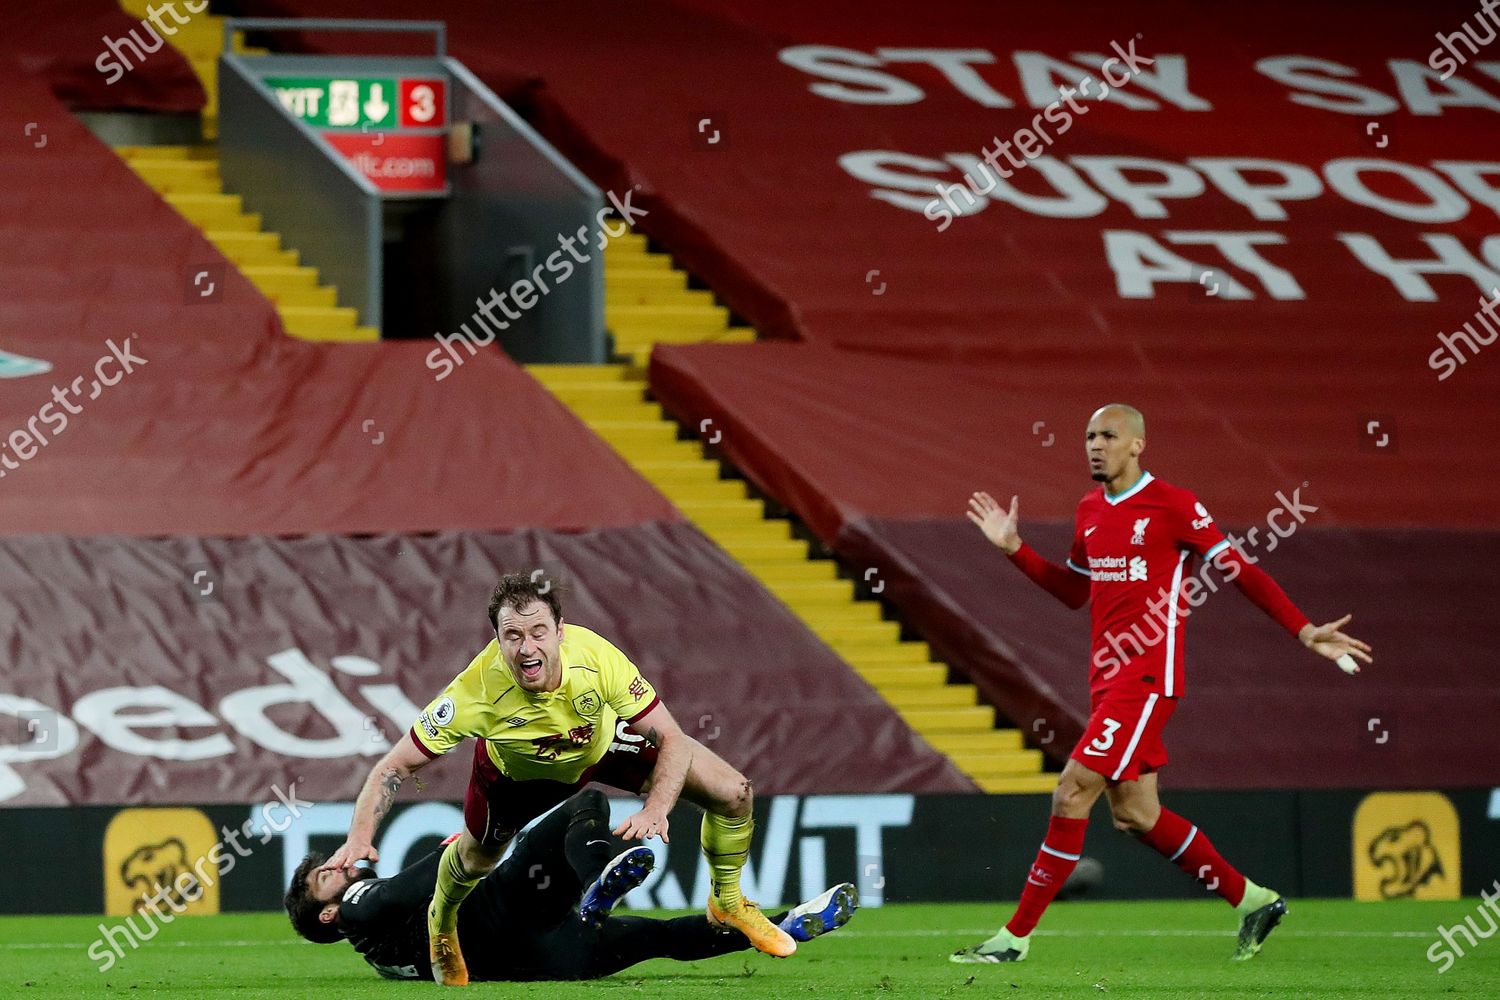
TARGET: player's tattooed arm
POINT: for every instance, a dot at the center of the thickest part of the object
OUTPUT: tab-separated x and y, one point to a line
375	800
390	784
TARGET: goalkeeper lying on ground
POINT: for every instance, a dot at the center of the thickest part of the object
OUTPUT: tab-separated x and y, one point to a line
523	915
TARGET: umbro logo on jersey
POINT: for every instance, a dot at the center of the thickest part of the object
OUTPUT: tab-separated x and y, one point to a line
515	720
1090	530
1139	538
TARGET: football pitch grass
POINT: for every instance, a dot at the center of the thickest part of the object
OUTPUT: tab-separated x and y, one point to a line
1325	948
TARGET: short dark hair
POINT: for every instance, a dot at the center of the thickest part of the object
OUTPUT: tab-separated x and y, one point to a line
517	590
304	909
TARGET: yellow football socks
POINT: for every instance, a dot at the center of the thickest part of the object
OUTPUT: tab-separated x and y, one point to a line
726	845
454	882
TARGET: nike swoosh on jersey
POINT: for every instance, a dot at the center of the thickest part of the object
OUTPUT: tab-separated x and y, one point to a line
1090	530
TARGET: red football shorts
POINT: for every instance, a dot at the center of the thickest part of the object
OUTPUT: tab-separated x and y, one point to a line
1123	738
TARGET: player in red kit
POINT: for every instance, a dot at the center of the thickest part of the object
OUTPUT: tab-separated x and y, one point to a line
1134	544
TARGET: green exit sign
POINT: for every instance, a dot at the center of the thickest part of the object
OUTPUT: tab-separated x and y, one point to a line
328	102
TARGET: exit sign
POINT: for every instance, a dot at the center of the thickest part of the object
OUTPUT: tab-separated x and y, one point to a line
362	102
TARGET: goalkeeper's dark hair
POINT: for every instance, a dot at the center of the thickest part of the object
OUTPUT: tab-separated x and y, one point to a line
303	909
518	590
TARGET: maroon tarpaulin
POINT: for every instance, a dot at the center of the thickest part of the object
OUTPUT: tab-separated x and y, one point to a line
69	46
256	661
226	426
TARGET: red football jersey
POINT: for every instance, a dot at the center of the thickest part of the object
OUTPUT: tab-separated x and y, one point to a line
1139	550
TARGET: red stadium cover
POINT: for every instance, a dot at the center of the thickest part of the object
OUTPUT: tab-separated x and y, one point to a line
87	51
165	412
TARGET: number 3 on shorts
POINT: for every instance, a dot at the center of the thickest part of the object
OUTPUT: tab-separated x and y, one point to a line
1106	739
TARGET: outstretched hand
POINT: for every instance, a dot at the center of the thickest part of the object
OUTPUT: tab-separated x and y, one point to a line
1330	641
644	825
998	524
351	852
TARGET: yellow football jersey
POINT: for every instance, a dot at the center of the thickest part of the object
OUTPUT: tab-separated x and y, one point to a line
555	735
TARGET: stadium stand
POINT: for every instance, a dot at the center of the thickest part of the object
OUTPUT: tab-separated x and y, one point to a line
944	361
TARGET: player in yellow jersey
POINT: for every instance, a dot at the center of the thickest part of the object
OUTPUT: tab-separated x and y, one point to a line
545	701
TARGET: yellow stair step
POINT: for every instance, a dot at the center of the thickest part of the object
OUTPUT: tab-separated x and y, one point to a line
684	316
814	595
623	276
550	375
751	532
790	572
634	431
879	676
851	613
630	238
635	260
637	354
209	204
979	741
765	544
612	391
702	492
298	277
1014	762
616	409
300	296
635	337
677	471
670	450
894	654
252	249
749	509
949	720
168	152
316	321
209	214
825	610
179	176
1037	784
862	633
931	696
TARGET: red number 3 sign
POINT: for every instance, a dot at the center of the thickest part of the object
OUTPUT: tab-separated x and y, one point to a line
423	104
